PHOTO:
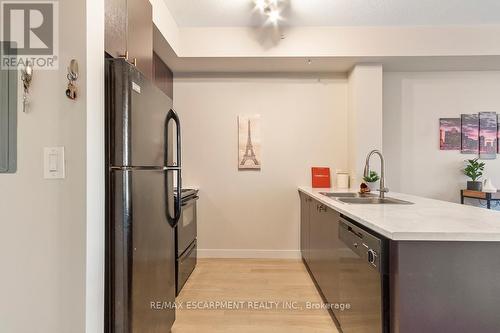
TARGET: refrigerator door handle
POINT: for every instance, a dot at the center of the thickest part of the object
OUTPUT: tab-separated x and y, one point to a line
173	219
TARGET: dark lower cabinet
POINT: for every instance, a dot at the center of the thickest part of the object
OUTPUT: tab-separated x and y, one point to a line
321	245
305	226
419	286
445	287
316	242
324	242
330	261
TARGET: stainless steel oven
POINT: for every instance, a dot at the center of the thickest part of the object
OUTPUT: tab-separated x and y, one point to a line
185	238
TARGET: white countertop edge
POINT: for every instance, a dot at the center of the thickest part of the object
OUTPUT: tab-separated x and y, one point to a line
460	236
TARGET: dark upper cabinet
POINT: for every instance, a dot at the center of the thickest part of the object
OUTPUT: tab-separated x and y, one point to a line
129	32
163	76
115	38
140	35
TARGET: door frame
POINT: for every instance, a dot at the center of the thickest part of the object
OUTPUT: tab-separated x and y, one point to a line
95	171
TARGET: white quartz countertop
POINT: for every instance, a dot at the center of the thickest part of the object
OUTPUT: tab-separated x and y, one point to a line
425	220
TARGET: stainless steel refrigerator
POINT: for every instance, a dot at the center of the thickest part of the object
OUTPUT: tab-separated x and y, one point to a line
143	169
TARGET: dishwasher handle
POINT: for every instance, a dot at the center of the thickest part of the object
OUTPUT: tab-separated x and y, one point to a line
350	237
354	232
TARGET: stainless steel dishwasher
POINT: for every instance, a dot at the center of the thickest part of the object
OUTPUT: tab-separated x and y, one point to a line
362	280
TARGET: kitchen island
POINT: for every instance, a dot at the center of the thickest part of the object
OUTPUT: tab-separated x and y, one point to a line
436	268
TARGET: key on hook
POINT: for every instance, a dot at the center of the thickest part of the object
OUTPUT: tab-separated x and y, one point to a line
72	76
26	77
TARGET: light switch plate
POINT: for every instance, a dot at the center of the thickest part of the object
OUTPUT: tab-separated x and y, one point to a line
53	163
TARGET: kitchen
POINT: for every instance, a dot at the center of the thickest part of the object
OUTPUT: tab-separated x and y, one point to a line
321	88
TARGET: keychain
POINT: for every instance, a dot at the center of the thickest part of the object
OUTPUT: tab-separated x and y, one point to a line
26	77
72	90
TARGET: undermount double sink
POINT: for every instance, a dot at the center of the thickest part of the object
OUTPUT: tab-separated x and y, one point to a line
366	198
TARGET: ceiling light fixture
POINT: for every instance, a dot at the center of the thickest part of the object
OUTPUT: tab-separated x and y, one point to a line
260	5
274	16
270	8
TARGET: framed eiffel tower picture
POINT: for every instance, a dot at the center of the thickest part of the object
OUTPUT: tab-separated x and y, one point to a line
249	144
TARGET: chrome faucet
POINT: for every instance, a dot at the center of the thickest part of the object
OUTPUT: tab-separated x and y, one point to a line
366	173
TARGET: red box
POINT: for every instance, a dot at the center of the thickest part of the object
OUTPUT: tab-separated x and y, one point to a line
320	177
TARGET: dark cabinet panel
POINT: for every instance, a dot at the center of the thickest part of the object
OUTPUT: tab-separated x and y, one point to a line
319	240
129	32
115	38
163	76
314	240
444	286
331	259
140	35
305	226
324	247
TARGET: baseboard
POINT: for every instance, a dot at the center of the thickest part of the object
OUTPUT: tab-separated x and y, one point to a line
249	253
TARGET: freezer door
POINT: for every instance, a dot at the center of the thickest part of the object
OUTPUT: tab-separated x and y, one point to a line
142	255
136	113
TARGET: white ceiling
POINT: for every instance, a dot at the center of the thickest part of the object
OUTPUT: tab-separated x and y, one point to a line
224	13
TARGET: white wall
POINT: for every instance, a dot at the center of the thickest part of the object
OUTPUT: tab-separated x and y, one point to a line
42	237
326	41
364	118
341	41
165	22
413	104
304	124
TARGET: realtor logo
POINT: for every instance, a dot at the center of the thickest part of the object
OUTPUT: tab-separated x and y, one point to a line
29	32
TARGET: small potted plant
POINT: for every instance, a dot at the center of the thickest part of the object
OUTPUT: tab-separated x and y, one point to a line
371	180
474	170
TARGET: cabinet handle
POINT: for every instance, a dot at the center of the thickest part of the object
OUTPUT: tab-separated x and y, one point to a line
124	56
321	208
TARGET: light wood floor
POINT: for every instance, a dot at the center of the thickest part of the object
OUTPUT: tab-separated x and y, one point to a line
245	280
